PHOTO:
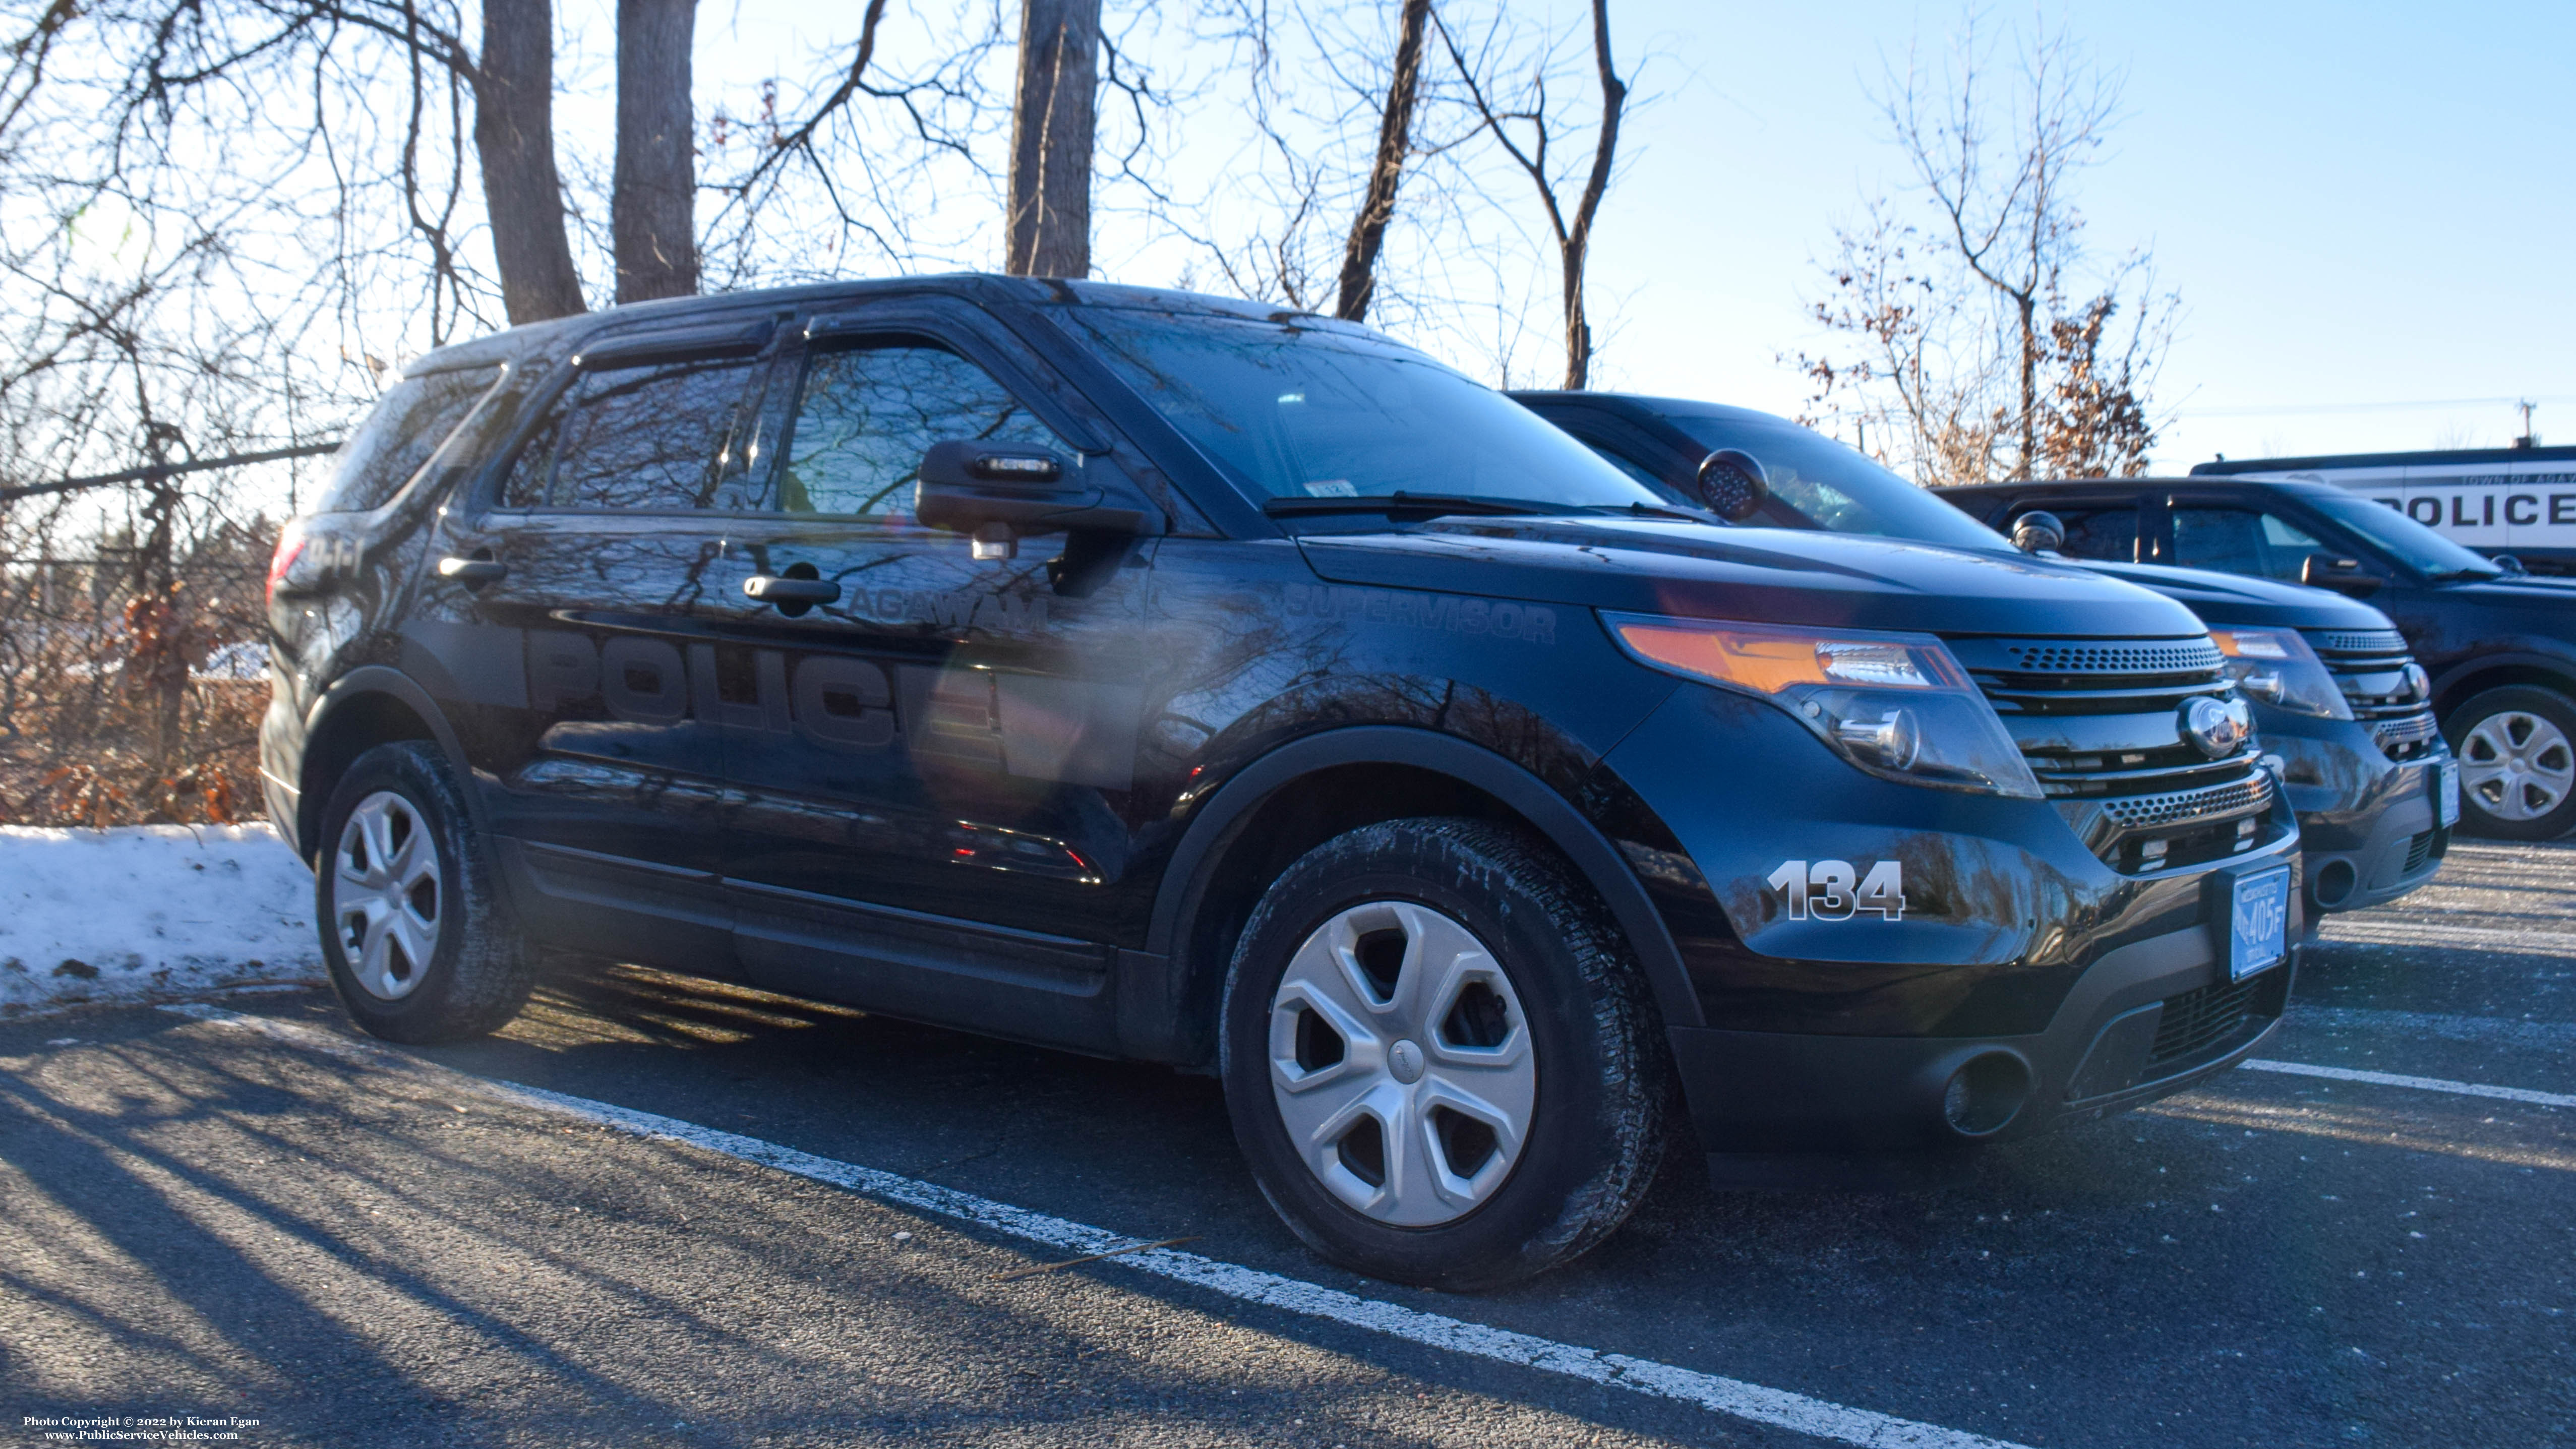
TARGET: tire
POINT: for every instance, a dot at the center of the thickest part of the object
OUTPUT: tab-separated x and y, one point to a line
2517	753
1470	956
418	938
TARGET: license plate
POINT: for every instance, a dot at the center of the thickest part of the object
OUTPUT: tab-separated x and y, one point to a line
2258	932
2446	793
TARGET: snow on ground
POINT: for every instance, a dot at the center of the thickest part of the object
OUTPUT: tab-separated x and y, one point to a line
149	911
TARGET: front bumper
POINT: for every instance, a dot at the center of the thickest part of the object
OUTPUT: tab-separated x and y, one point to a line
2146	1020
2067	987
2369	826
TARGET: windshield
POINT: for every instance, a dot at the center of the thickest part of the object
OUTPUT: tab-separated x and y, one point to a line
1293	412
1823	484
2410	543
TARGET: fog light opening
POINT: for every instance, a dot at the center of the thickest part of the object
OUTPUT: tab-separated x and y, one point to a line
2335	882
1986	1094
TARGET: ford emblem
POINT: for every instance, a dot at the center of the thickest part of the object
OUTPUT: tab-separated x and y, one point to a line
2217	727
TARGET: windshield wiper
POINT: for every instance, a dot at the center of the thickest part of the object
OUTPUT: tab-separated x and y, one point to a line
1427	505
1662	510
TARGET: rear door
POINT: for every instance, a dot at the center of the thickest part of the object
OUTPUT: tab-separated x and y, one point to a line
935	819
574	613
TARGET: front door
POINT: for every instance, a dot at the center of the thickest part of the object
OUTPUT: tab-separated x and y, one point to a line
582	615
935	808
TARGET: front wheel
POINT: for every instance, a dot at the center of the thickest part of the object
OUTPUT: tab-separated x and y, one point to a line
414	929
2517	753
1439	1057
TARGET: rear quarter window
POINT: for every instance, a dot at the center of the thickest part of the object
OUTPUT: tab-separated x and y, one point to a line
408	429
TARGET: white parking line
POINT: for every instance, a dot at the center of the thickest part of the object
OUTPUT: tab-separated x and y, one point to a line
1733	1397
2421	1084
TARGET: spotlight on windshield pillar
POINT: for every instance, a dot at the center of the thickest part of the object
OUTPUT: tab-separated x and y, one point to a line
2038	532
1733	484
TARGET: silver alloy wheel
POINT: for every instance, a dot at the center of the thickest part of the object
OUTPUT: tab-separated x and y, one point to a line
1401	1063
2517	765
386	902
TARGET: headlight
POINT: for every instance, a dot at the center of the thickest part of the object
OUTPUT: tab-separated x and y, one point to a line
2277	667
1896	705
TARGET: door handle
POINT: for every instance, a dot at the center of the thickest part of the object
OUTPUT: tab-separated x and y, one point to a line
774	589
473	571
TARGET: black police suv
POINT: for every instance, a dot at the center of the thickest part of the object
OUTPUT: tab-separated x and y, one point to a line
1182	680
2500	645
2334	695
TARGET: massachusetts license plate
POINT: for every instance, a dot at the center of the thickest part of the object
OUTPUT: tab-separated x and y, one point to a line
2258	933
2446	793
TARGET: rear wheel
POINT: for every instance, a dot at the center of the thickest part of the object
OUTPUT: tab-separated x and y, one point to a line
1439	1058
2517	753
418	939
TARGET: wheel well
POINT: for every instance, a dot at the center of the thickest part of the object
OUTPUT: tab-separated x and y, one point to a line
2460	691
354	727
1294	819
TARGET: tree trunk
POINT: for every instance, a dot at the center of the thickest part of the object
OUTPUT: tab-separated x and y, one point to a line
2029	388
1576	247
1394	145
514	104
1051	139
653	209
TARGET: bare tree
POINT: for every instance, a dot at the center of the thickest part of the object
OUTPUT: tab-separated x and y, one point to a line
1526	111
1394	148
653	206
1053	123
1991	344
514	138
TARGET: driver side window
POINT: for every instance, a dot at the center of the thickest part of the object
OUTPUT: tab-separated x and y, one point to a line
2237	541
865	415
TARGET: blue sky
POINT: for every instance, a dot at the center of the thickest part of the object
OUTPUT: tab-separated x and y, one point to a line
2364	207
2361	206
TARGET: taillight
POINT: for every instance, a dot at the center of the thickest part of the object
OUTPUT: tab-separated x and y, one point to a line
290	546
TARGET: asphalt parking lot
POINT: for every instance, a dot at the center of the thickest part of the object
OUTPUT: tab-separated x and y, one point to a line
821	1233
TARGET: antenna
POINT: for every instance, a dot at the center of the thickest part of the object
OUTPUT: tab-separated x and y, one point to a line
2528	438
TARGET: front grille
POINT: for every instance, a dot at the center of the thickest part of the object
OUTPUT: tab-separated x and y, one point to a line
2357	641
2198	1020
2408	737
2098	721
2121	656
2192	807
2370	666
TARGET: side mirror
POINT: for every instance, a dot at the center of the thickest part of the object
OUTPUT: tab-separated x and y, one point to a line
2512	566
1000	493
2343	575
2038	532
1733	483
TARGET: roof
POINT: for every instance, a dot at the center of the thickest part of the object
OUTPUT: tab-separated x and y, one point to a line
2328	462
538	336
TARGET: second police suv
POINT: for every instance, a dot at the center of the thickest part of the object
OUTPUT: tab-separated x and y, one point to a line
1167	678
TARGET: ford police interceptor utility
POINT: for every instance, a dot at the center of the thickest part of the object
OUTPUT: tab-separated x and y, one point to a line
1170	678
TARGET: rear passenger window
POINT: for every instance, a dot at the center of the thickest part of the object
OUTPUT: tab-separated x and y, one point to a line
2107	535
865	416
2241	542
655	439
409	427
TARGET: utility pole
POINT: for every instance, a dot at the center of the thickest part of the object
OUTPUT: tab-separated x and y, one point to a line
2528	438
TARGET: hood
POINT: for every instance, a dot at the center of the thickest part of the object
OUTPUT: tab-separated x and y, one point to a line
2220	598
1770	575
